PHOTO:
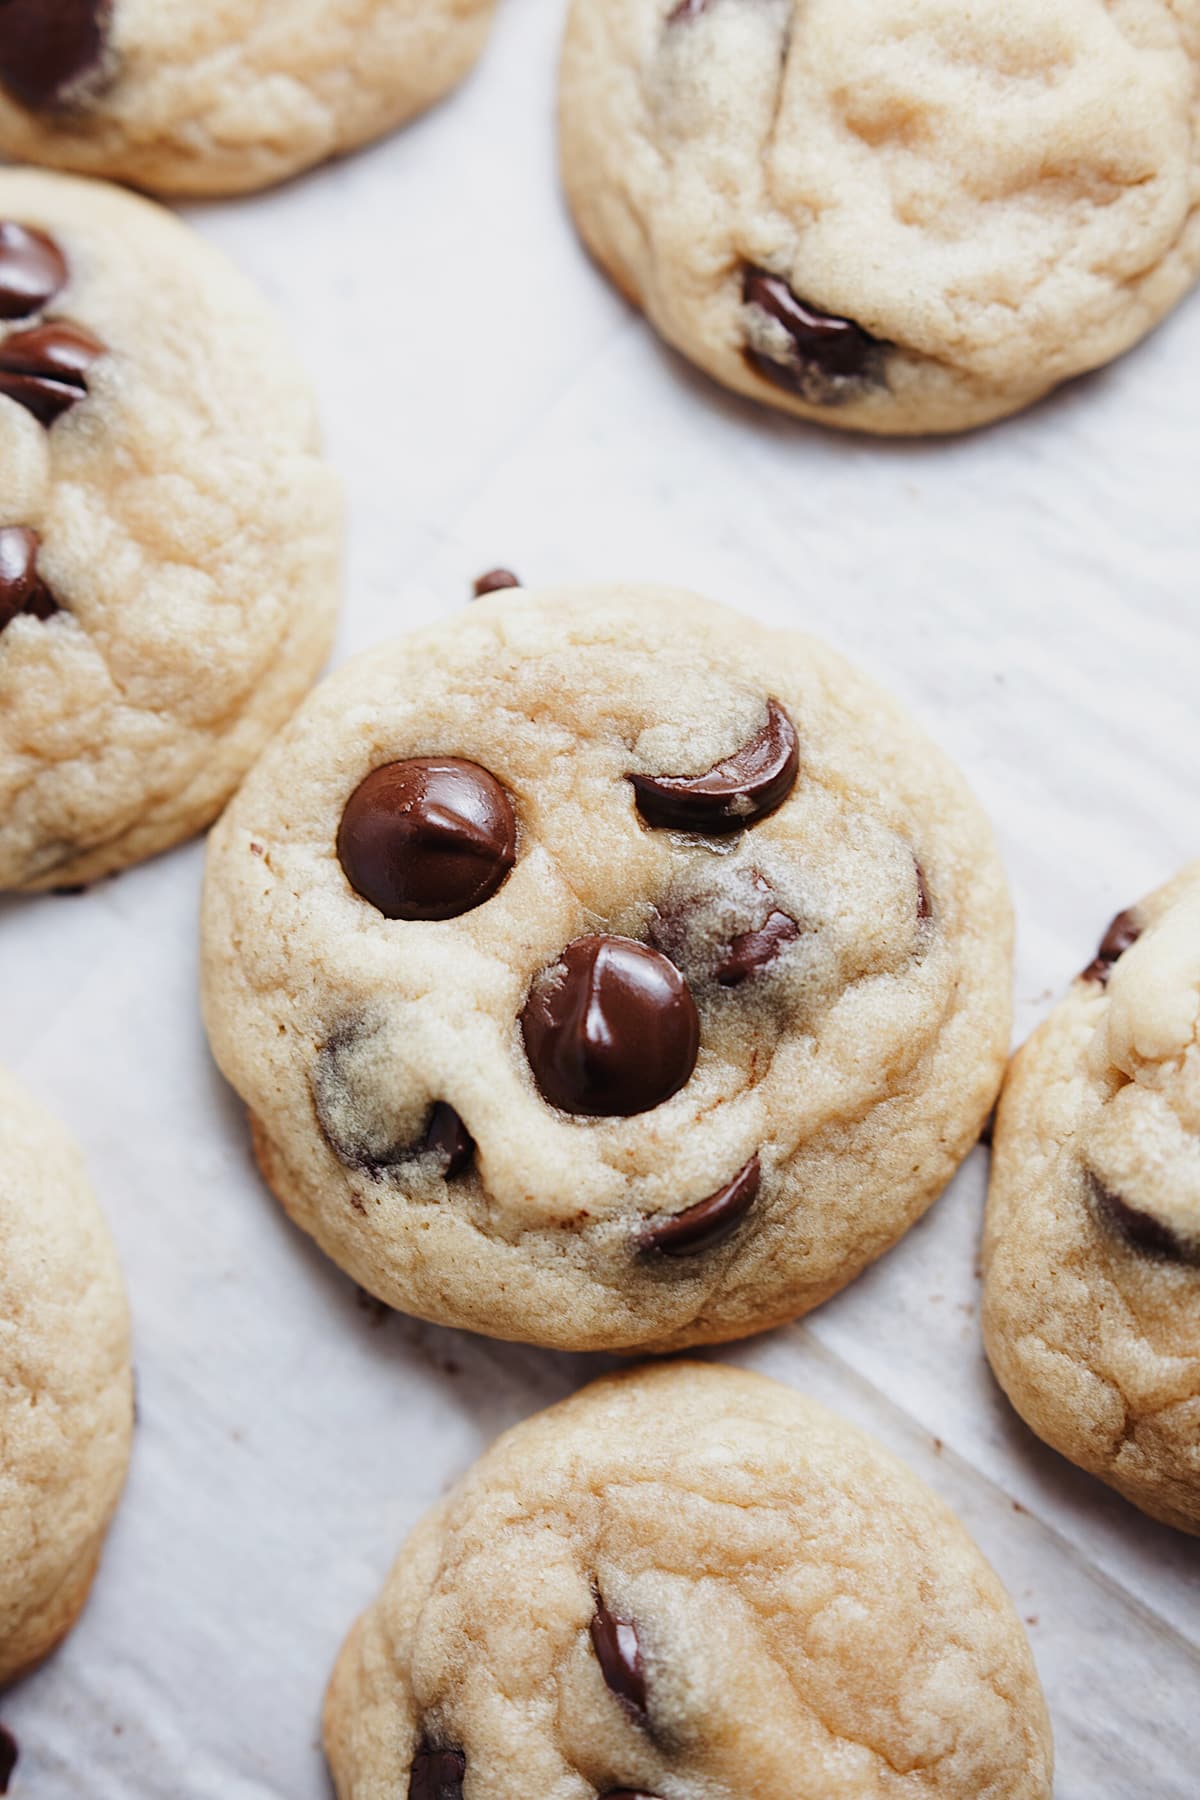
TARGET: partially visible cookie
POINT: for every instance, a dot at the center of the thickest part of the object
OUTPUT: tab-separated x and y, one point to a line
893	217
605	970
1092	1250
688	1581
189	98
170	537
66	1392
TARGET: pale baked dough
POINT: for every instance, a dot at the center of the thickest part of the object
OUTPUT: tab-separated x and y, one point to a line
1003	195
810	1619
66	1394
192	98
1092	1252
858	1066
189	530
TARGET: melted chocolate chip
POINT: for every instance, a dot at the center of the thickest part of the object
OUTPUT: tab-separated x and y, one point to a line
924	900
447	1137
22	589
45	368
709	1221
32	267
1141	1230
430	838
1121	936
48	46
751	951
827	356
748	785
619	1654
437	1774
611	1029
9	1757
495	581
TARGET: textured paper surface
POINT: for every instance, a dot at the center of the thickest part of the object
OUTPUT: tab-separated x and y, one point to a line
1029	591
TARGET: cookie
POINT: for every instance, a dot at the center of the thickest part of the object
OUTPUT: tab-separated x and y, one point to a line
170	539
196	99
66	1389
602	969
1092	1251
891	217
687	1581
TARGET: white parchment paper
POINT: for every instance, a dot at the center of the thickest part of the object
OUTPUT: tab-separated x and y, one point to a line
1029	591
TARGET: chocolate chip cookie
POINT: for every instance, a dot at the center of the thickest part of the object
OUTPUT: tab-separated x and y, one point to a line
1092	1252
893	218
196	99
66	1393
170	539
602	969
689	1581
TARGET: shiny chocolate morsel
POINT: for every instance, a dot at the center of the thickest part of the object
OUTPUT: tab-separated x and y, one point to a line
448	1138
610	1029
1121	936
10	1756
745	787
619	1654
751	951
495	581
709	1221
32	267
437	1774
429	838
45	368
827	355
22	589
47	47
1143	1232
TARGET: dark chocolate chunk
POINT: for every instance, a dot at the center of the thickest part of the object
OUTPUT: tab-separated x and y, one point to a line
45	368
449	1139
437	1774
827	356
709	1221
619	1654
32	267
751	951
47	47
748	785
1141	1230
924	899
430	838
9	1757
611	1029
22	589
1121	936
494	581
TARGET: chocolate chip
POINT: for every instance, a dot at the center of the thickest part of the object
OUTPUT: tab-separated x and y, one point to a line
430	838
437	1774
9	1757
827	357
629	1794
45	368
22	589
924	901
448	1138
1121	936
748	785
32	267
619	1654
48	46
1141	1230
751	951
494	581
611	1029
709	1221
